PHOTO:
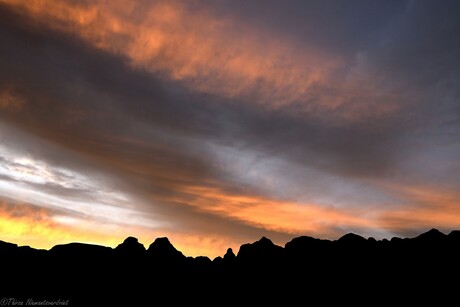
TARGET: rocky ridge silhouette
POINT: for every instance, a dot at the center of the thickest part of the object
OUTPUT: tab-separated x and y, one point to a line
81	271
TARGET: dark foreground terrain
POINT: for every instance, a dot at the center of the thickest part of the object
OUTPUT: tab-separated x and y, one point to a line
349	270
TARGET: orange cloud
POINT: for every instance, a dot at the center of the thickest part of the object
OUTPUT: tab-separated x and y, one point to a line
43	228
420	208
218	55
428	207
282	216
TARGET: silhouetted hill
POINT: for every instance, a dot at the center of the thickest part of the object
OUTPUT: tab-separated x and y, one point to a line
7	248
229	256
352	239
454	235
80	250
432	235
163	251
262	249
129	272
130	247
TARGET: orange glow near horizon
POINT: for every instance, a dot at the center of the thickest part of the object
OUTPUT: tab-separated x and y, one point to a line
37	227
40	228
28	225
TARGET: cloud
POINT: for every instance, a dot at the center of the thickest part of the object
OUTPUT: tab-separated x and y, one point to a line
270	214
225	121
10	101
26	178
227	57
426	207
361	148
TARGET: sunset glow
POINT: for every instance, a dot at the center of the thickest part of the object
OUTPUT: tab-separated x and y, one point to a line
215	123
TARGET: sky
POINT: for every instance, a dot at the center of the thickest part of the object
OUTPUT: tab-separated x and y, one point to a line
215	123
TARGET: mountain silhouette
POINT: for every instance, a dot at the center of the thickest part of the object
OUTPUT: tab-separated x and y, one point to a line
229	256
163	249
432	235
129	273
130	247
7	248
262	250
80	250
454	235
352	239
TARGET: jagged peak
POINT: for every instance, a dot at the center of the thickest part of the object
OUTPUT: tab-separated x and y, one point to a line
229	255
433	233
265	241
351	237
162	247
161	242
130	244
131	239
